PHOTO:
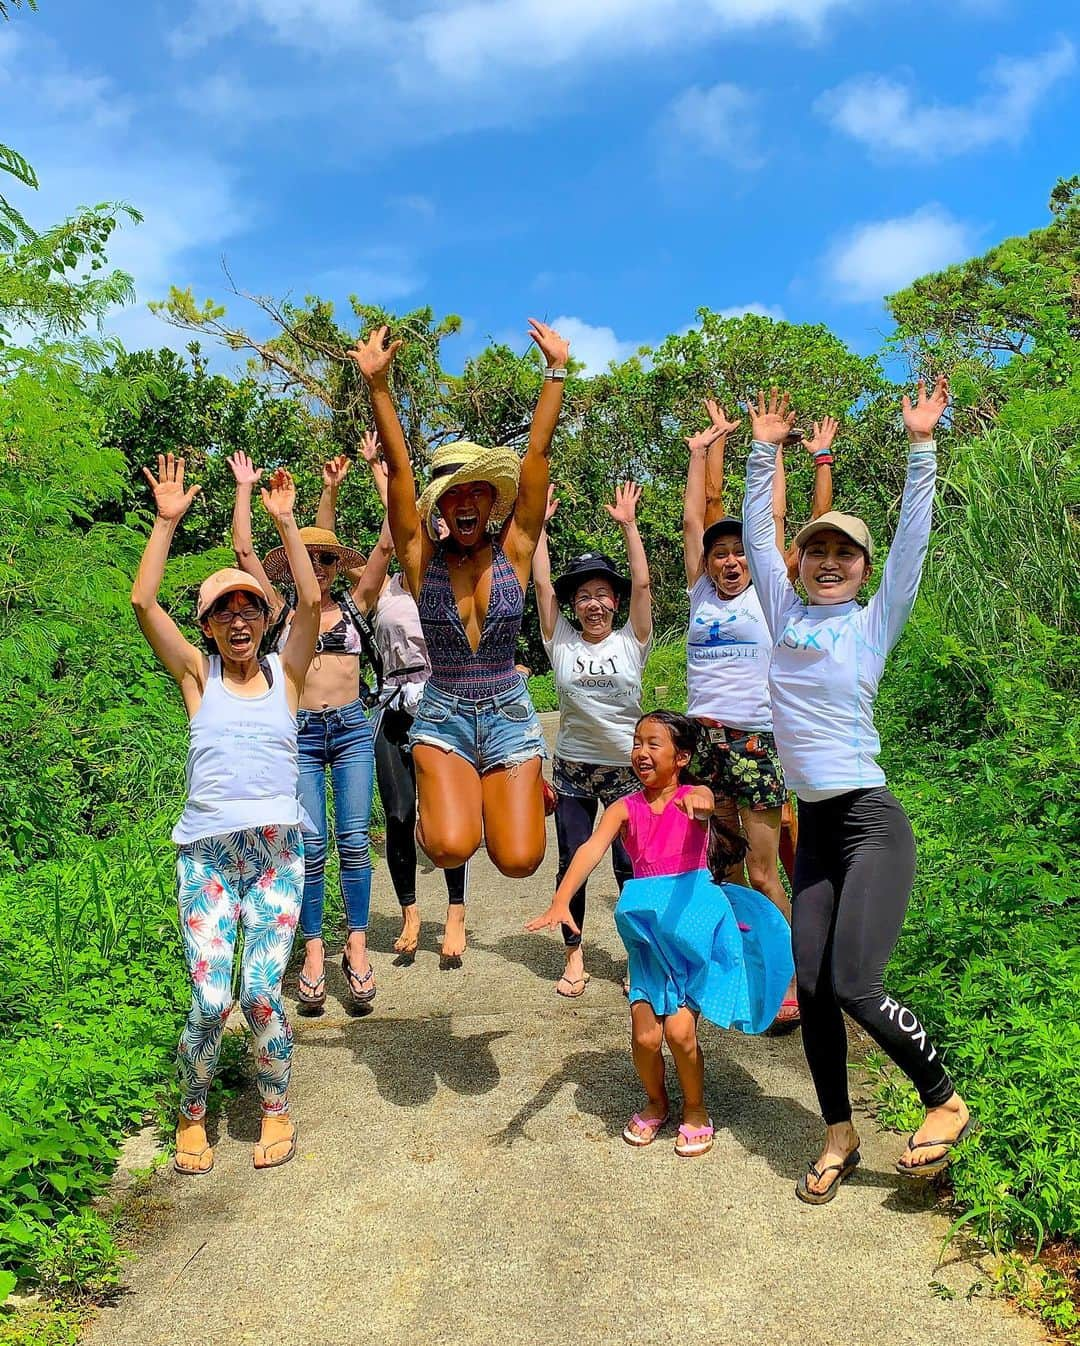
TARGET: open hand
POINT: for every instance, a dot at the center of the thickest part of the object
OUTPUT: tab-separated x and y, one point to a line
552	505
624	510
770	422
554	348
335	471
921	418
370	448
704	439
375	355
824	434
243	469
718	416
556	915
170	498
281	496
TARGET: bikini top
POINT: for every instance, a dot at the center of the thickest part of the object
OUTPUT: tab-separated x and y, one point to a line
342	638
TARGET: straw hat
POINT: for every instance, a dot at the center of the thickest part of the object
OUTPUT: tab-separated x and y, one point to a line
454	464
276	563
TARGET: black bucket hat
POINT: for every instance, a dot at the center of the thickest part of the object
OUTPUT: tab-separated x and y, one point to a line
720	529
590	565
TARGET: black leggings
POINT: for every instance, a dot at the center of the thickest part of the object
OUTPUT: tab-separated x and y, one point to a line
854	868
396	775
574	820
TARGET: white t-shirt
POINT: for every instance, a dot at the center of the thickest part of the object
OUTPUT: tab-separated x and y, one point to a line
599	690
727	658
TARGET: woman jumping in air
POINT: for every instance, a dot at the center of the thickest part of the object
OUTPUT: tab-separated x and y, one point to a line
855	862
598	672
477	744
697	945
241	856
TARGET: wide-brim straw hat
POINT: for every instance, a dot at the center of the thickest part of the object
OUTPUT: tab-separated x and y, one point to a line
454	464
276	563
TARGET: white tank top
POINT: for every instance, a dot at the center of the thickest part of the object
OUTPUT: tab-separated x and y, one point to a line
242	763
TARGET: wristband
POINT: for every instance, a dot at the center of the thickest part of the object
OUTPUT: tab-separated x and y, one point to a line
555	375
823	458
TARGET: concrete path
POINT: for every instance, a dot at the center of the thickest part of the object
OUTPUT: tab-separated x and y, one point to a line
461	1179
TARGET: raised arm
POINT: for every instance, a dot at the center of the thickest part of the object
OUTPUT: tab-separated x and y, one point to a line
547	605
333	474
304	631
779	499
624	512
693	525
714	462
819	447
770	424
523	529
182	660
247	477
413	546
890	607
586	858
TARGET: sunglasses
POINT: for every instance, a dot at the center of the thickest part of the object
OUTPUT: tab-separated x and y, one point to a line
324	558
226	616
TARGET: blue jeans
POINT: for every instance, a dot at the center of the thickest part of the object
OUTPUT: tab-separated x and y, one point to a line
340	739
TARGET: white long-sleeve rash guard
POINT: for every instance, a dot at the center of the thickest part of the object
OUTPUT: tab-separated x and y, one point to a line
828	659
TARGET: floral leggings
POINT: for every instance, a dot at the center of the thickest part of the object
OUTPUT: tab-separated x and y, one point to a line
253	878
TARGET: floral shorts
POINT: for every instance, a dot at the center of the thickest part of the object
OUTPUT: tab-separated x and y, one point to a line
581	780
739	766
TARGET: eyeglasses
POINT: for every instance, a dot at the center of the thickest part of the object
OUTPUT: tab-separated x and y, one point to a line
324	558
226	616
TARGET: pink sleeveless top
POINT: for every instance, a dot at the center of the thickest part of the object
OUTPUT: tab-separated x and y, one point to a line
663	843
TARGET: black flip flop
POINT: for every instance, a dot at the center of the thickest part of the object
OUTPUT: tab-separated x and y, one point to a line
315	998
354	979
842	1170
928	1170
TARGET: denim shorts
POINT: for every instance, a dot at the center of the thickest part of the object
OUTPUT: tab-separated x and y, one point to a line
499	731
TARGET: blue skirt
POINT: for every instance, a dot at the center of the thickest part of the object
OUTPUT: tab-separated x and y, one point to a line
720	949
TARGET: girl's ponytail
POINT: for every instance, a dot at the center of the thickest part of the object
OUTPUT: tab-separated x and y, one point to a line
726	848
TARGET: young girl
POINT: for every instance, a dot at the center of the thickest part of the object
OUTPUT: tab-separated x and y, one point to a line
696	945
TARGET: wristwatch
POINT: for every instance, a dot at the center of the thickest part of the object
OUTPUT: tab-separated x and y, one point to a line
556	375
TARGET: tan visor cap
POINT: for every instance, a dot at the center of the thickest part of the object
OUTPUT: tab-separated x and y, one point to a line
848	524
226	581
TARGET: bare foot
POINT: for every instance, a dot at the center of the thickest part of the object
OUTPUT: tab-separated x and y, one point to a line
277	1142
573	981
840	1142
409	939
454	942
944	1123
193	1152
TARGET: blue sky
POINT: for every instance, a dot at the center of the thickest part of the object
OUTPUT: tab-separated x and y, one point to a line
611	164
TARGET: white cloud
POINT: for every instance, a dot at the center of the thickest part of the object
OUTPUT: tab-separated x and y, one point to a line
458	40
374	275
716	121
879	258
885	115
762	310
595	347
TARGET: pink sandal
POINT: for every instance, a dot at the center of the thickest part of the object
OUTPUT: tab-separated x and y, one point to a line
694	1140
649	1127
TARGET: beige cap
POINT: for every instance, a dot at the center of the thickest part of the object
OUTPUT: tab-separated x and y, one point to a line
848	524
228	581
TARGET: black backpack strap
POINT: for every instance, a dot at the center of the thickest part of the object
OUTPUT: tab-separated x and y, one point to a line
366	632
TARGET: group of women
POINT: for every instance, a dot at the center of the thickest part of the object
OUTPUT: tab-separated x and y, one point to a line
781	697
